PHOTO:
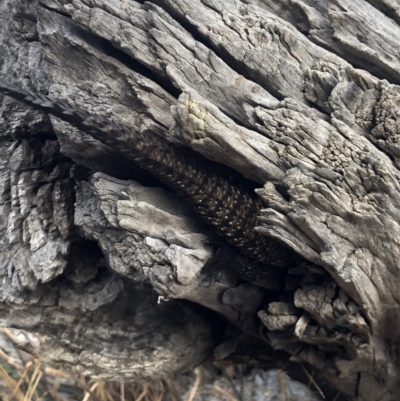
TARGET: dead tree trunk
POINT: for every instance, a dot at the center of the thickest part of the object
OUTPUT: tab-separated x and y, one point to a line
298	100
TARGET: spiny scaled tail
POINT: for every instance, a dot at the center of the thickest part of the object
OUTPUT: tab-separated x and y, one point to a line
229	209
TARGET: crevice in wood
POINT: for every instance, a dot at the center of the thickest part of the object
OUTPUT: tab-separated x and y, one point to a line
225	56
388	7
111	51
53	9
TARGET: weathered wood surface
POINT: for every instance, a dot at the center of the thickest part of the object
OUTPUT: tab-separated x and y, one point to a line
299	97
352	29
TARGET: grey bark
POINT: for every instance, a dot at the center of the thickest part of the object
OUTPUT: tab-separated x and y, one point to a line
300	97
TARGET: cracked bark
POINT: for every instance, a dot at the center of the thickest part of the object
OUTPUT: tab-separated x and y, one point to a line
307	108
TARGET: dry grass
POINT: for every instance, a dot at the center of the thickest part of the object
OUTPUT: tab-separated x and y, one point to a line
26	379
35	382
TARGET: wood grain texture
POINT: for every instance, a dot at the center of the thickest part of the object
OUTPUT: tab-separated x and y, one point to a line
301	97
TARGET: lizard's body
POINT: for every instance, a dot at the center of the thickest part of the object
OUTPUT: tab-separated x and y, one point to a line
231	210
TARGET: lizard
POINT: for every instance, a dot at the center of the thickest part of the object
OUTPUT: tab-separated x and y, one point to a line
230	209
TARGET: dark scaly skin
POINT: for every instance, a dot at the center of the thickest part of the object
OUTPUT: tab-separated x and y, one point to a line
228	208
